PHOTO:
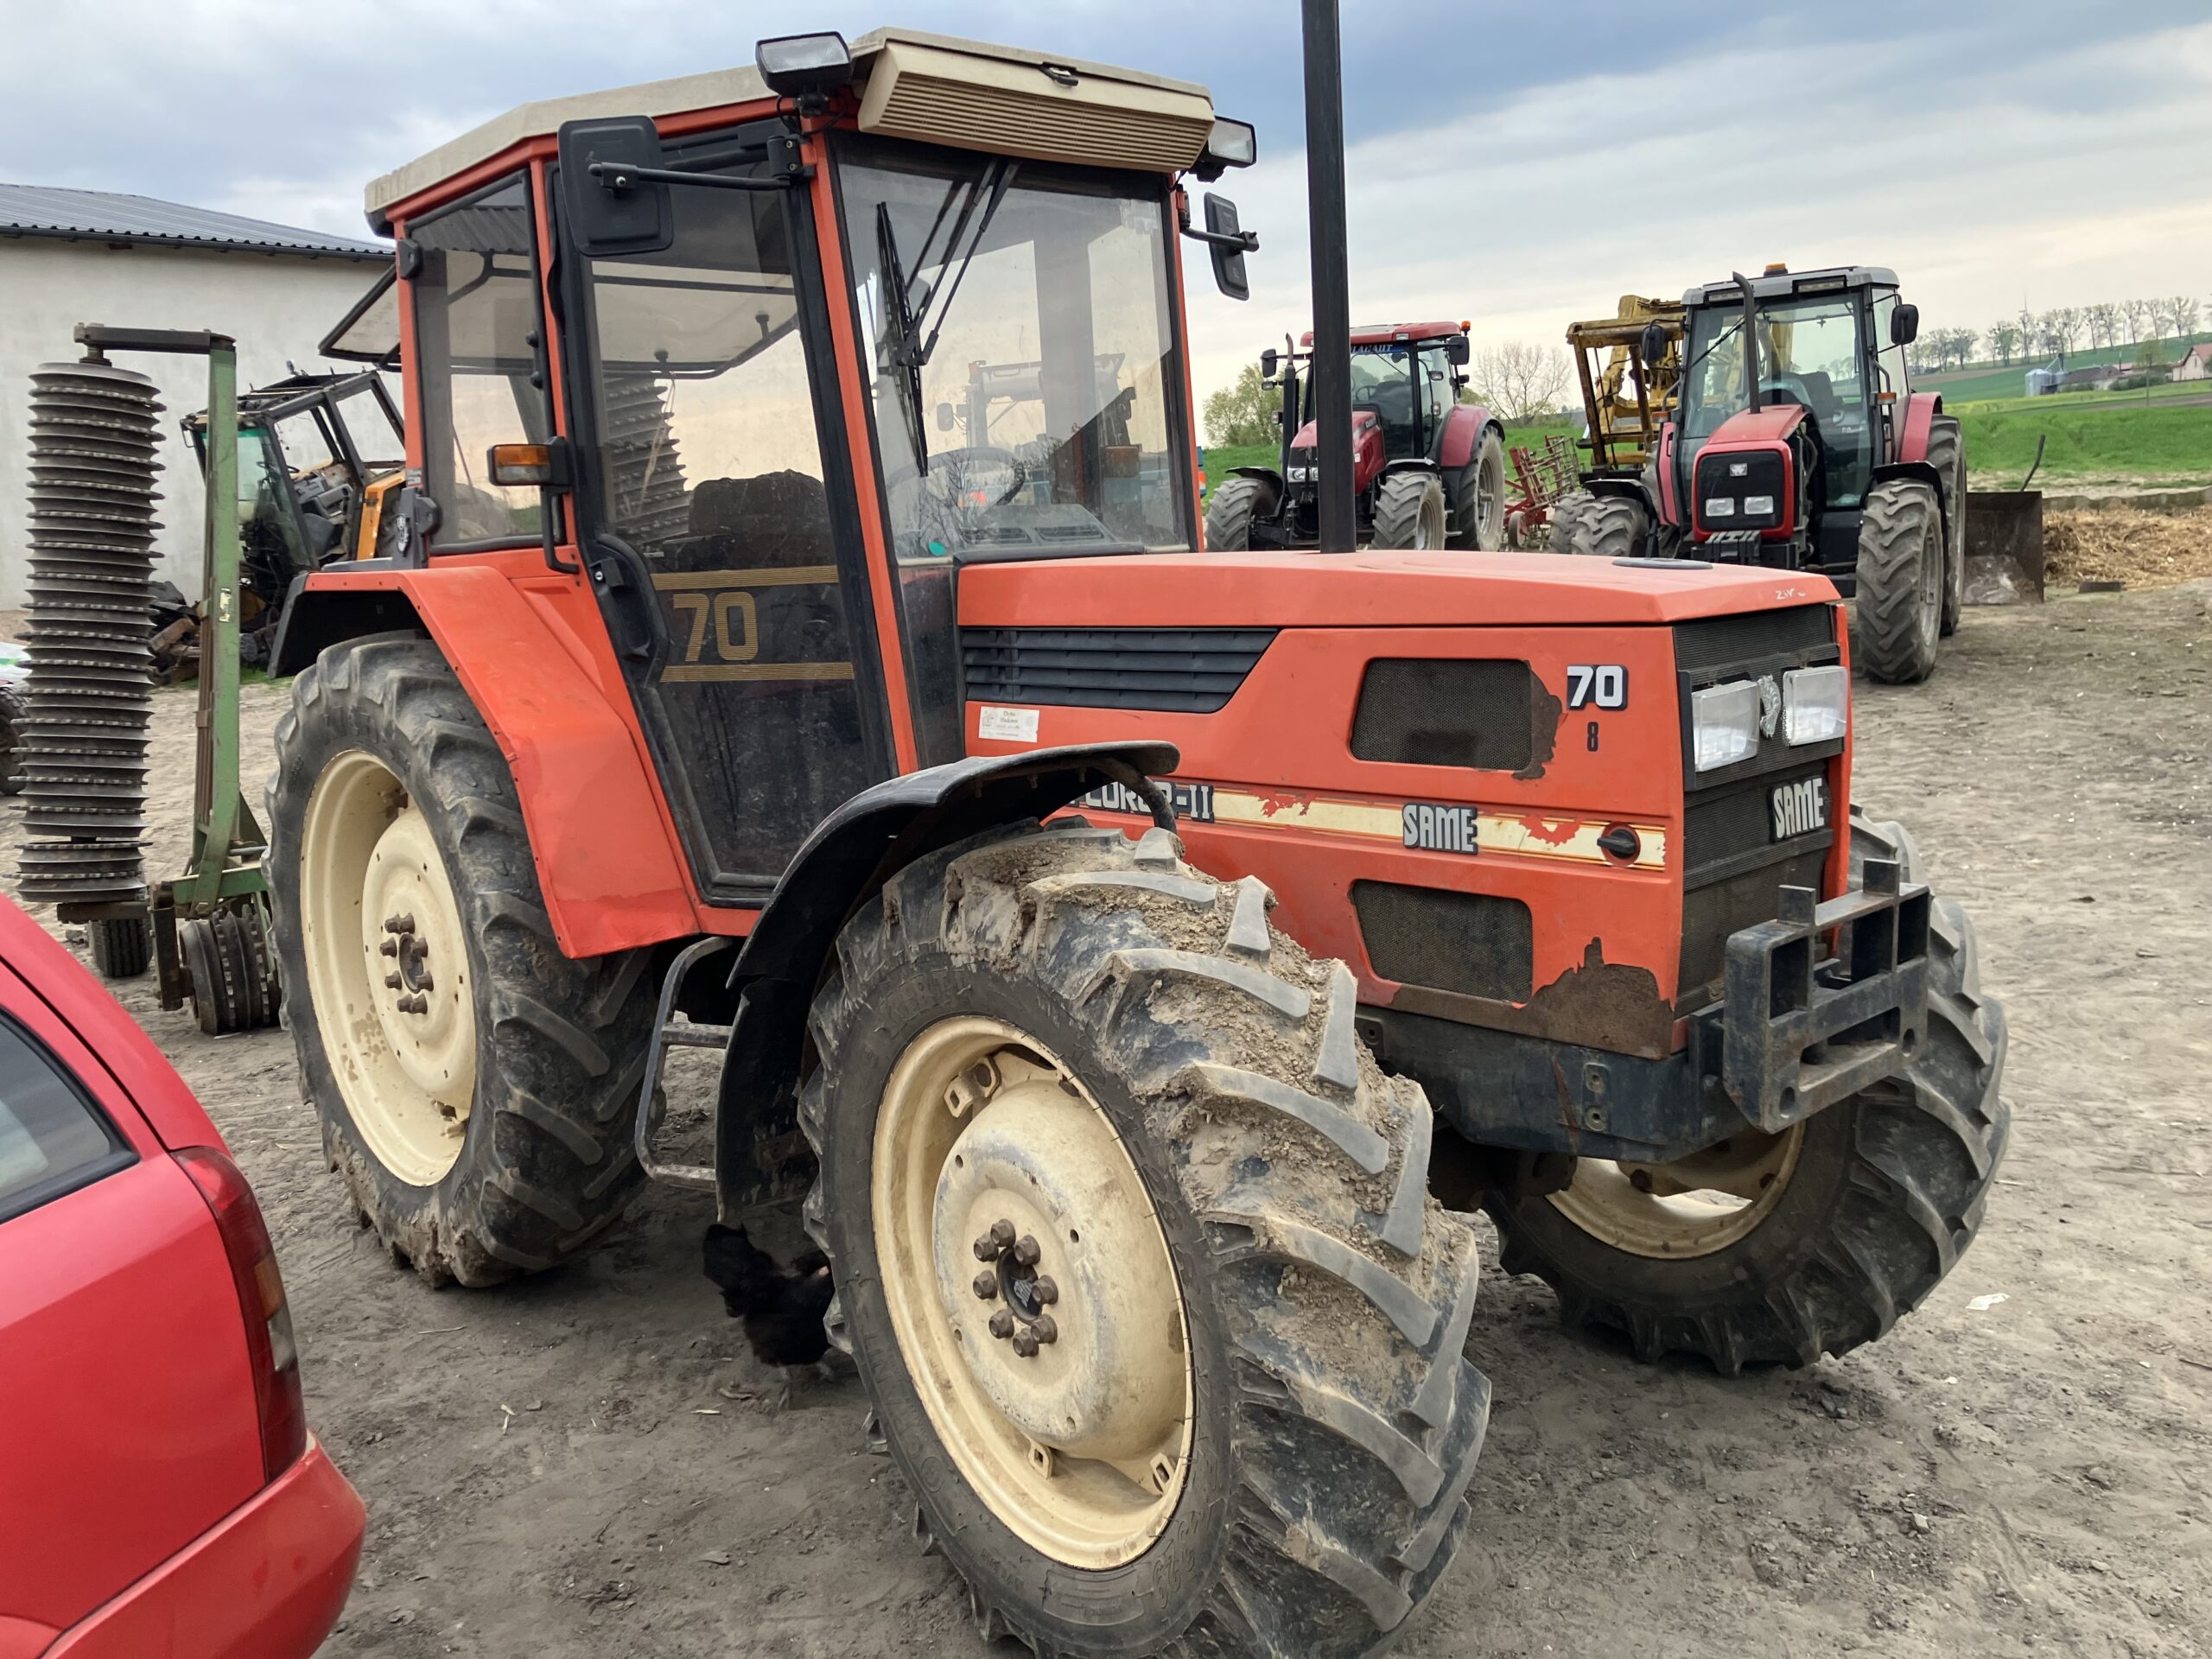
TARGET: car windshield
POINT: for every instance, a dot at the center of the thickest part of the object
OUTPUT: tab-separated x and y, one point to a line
1810	353
1019	350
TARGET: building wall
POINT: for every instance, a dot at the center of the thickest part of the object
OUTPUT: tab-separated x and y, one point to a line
276	306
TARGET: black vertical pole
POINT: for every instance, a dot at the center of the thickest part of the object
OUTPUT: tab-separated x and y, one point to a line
1324	194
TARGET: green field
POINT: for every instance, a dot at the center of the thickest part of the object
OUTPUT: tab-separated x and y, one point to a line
1980	380
2113	440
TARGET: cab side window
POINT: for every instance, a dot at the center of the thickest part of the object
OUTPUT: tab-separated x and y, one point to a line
476	308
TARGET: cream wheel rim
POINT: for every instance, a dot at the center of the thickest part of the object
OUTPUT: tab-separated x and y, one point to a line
388	970
1694	1206
1006	1209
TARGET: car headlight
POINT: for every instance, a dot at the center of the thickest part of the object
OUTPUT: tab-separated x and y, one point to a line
1815	703
1725	724
1720	506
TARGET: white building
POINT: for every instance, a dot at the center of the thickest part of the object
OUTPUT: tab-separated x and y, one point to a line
68	256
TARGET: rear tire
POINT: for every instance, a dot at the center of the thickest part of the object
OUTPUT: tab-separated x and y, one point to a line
1899	613
1947	455
1408	512
1230	511
1600	526
1883	1195
537	1153
1334	1419
1477	500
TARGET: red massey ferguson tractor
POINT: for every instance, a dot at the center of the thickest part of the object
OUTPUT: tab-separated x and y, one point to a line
1427	470
1797	443
1140	957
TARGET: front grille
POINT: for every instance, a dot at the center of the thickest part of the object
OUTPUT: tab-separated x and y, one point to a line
1715	648
1730	828
1763	475
1450	712
1475	944
1712	913
1183	671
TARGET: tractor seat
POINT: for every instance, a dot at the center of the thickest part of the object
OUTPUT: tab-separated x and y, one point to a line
772	520
1822	389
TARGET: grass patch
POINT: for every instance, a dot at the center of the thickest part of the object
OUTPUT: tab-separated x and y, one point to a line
2116	440
1977	381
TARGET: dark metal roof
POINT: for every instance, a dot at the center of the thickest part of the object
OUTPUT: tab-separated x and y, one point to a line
106	216
1781	284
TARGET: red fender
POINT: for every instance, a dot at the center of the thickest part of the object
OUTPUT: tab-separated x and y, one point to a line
1463	435
532	653
1921	409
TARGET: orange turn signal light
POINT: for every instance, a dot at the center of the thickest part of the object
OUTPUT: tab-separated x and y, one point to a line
522	464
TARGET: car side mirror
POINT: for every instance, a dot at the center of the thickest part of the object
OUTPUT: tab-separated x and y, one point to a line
1905	324
1459	351
1225	241
944	417
1652	349
1270	359
607	208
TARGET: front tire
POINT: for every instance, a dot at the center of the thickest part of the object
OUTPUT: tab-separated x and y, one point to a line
1084	1033
1235	501
1478	501
1599	526
1846	1222
1897	616
1410	511
476	1087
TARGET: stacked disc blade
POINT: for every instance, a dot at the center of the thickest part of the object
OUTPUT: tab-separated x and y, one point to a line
644	474
83	735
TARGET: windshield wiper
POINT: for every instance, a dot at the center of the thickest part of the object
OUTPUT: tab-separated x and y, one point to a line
997	177
899	351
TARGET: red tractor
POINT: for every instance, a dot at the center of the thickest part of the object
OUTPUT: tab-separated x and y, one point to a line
1140	957
1795	442
1427	470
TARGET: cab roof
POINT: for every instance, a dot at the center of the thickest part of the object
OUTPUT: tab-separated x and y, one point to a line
1782	284
1391	333
1069	94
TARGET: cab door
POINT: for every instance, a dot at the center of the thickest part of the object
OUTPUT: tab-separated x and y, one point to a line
718	518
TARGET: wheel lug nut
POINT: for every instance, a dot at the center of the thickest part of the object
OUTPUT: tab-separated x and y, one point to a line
1044	1290
1001	1325
987	1286
1025	1251
1002	1232
422	982
392	981
986	1249
1044	1330
389	948
1025	1344
399	924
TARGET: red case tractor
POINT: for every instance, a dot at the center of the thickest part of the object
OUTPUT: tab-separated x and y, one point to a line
1809	452
1140	957
1427	470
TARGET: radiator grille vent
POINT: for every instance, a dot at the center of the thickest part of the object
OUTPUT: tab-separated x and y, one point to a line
1448	712
1736	826
1183	671
1752	638
1476	944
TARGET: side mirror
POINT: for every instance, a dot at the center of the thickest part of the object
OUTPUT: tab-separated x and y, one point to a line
1652	349
606	209
944	417
522	465
1459	351
1225	241
1905	324
1270	360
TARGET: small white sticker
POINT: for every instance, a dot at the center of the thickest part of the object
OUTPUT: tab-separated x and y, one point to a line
1007	725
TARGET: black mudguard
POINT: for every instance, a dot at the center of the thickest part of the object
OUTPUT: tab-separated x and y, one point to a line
850	855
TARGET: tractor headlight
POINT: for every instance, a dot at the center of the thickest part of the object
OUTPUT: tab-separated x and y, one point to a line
1720	506
1758	507
1815	703
1725	724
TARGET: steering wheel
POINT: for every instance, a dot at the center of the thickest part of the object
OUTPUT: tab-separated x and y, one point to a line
950	466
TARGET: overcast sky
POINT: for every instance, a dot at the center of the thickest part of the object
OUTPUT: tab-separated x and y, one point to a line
1520	162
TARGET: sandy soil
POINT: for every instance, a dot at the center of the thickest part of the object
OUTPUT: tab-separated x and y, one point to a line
588	1467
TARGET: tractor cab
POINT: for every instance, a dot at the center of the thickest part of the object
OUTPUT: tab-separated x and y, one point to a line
1427	470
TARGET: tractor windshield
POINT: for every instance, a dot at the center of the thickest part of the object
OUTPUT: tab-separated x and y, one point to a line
1018	345
1811	352
1406	387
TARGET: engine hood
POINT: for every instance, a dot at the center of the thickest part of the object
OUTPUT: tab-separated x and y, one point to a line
1308	437
1372	588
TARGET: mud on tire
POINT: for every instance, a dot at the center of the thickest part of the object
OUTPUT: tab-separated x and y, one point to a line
1897	615
1886	1196
1337	1420
1947	455
546	1162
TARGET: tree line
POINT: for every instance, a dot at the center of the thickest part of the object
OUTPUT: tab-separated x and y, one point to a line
2034	335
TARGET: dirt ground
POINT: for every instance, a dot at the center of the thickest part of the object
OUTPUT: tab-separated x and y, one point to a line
587	1465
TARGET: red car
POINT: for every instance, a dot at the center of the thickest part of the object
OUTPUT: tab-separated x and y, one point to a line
160	1494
